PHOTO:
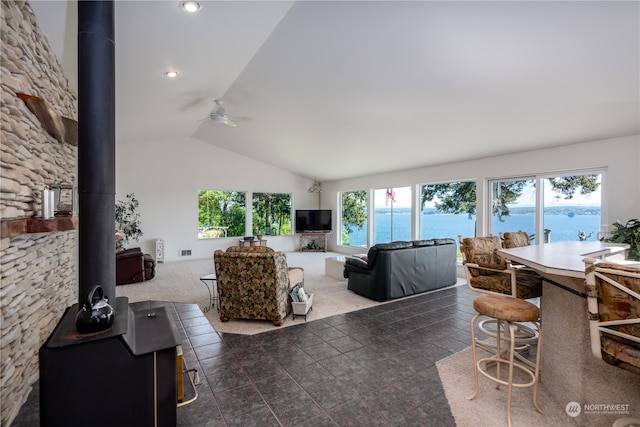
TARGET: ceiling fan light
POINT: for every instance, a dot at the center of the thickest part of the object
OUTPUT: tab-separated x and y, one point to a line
190	6
219	118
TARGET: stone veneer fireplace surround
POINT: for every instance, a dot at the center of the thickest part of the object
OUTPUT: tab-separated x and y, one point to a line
38	261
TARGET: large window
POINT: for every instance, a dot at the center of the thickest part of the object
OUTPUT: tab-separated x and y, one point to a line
271	214
392	214
353	218
221	214
549	208
448	210
513	206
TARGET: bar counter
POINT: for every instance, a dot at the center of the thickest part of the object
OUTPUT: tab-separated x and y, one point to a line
568	370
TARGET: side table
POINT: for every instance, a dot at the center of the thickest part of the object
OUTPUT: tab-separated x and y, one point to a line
210	283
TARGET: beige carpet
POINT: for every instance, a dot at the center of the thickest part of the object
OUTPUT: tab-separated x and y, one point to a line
179	282
489	407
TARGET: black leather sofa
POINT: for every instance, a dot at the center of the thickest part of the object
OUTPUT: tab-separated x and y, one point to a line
399	269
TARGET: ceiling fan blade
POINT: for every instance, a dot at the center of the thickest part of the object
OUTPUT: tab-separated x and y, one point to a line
230	124
240	118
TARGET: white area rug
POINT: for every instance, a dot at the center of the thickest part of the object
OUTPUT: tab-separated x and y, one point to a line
180	282
489	407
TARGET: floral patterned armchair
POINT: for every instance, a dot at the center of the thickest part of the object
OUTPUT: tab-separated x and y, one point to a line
488	272
514	239
254	283
613	294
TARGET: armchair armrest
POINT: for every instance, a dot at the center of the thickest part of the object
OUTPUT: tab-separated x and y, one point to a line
355	265
481	270
509	270
129	267
356	262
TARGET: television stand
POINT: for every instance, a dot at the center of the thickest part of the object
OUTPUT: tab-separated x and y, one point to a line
314	242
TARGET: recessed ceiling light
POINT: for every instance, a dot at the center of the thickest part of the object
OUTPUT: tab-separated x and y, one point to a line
190	6
171	74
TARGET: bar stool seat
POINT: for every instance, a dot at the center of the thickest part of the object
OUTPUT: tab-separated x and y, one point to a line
508	311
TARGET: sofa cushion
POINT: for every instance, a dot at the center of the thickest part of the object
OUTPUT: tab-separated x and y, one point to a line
445	241
421	243
373	251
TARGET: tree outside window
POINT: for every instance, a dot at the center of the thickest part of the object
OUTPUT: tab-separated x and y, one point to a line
448	210
221	214
569	210
271	214
353	218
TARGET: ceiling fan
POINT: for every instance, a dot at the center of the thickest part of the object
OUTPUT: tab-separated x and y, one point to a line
219	116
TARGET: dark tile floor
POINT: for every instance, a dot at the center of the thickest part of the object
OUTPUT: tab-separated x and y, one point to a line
372	367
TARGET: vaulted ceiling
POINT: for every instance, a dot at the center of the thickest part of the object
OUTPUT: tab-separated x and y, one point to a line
338	89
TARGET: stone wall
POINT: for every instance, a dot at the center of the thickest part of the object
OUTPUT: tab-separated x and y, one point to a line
38	271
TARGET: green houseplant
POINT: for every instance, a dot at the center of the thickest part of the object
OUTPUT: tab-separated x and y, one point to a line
626	233
127	221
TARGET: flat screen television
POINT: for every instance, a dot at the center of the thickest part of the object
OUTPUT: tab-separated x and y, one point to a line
313	220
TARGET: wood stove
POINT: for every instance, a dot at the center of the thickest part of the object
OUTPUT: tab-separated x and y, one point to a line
123	376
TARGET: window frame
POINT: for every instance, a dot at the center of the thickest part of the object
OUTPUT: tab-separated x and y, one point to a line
539	228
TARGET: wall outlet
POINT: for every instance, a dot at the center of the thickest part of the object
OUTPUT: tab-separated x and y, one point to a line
185	252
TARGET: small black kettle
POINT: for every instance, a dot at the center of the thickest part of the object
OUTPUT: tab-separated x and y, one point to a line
96	314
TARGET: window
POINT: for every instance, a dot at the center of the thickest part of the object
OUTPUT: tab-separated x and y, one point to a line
557	208
271	214
571	207
353	218
513	206
448	210
392	214
221	214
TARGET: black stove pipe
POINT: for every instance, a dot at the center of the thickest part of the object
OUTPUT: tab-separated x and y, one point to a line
96	149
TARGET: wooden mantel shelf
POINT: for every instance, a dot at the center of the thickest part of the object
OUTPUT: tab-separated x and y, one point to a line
19	226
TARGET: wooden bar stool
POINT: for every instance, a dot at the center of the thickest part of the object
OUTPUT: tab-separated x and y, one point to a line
508	311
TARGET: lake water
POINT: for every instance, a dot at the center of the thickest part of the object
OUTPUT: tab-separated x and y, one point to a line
563	227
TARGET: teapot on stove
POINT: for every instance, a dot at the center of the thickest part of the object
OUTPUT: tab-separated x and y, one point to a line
96	314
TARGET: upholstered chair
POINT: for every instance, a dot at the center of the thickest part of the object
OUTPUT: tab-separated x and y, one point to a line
487	271
613	294
254	283
133	266
514	239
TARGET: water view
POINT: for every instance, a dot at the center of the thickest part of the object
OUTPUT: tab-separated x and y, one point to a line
564	224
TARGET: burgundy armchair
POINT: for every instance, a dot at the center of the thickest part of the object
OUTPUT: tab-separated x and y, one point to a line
133	266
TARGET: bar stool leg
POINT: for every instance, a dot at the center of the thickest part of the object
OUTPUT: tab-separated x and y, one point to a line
499	353
537	371
511	362
475	358
510	387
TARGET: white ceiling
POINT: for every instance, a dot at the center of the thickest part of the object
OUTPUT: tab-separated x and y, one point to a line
340	89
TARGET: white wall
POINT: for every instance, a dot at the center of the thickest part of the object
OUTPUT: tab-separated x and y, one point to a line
166	176
619	156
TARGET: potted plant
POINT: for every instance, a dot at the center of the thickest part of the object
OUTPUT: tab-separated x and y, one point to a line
626	233
127	221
